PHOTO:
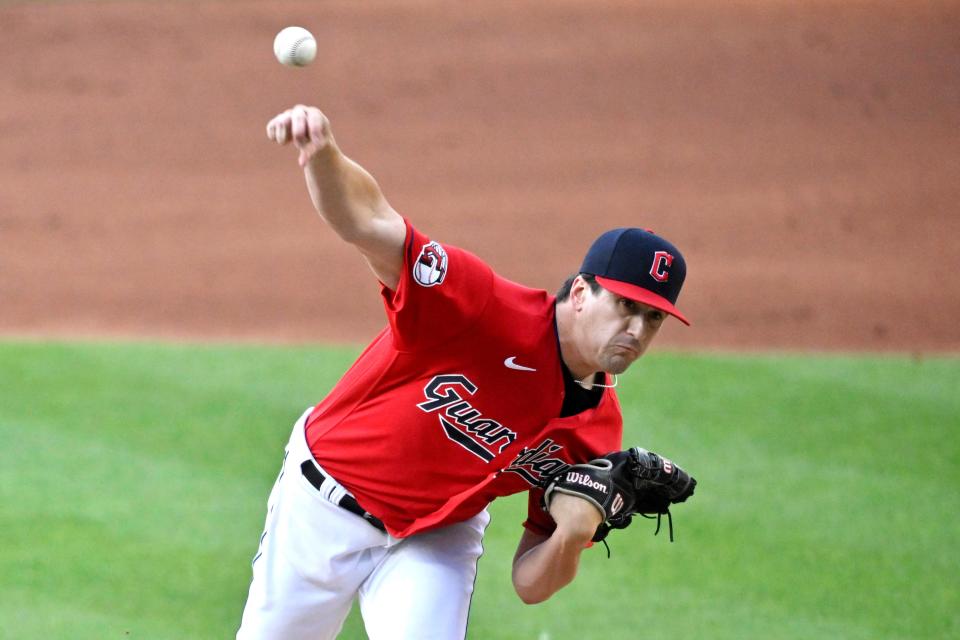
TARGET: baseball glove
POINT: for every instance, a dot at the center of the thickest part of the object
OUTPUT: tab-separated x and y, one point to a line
622	484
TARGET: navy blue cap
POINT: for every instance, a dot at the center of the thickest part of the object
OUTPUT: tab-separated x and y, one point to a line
639	265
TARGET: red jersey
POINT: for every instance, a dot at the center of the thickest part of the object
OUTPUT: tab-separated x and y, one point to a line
456	401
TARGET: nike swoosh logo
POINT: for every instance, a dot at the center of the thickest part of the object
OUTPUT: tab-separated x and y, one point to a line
510	364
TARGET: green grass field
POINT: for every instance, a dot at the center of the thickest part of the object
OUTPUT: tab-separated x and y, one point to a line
133	480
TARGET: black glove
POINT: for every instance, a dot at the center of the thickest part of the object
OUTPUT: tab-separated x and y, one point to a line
598	482
624	483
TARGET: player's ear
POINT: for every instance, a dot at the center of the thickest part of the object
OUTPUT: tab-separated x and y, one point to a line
578	291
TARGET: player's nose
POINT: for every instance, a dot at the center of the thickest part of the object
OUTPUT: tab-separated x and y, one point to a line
635	327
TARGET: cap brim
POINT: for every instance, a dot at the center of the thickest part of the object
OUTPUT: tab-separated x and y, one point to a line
640	294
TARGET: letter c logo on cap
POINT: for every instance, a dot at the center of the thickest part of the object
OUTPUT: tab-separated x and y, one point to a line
661	261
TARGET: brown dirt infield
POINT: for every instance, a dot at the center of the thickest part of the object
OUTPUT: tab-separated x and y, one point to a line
805	156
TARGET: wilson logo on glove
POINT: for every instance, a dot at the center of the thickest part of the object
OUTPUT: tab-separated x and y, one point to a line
616	505
586	481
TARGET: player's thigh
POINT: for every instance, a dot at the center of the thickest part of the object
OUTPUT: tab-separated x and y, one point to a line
313	557
283	603
423	587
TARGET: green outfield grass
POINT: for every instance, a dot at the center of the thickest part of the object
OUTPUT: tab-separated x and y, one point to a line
133	480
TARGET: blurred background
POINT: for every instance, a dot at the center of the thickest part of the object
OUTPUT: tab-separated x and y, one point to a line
170	303
803	155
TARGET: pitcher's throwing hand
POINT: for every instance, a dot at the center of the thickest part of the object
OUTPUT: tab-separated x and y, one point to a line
306	127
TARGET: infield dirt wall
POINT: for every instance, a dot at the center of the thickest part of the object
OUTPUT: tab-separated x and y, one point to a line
804	155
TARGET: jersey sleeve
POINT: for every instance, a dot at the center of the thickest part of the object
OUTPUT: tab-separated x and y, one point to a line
442	291
538	521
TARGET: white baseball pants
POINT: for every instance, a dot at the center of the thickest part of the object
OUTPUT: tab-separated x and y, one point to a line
315	558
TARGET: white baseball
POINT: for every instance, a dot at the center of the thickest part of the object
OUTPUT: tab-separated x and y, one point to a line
295	47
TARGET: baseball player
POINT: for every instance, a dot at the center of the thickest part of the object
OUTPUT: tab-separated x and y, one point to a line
478	387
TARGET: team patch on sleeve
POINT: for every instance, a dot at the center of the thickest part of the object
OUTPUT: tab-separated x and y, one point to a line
430	267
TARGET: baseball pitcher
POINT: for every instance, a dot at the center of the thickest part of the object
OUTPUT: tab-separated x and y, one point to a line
478	387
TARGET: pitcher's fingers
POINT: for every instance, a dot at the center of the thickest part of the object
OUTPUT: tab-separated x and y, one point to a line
298	123
316	124
281	128
272	127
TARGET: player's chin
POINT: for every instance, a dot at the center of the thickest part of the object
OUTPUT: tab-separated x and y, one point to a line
617	363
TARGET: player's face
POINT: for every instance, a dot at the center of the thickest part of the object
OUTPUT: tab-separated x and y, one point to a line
617	330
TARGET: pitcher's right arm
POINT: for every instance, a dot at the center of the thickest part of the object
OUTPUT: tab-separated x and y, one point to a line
345	195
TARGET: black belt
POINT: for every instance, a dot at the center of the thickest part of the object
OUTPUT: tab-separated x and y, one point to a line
348	502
